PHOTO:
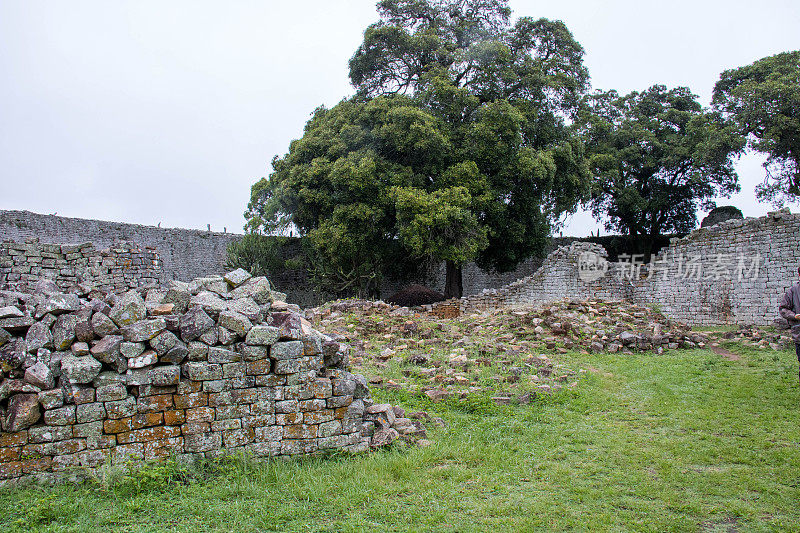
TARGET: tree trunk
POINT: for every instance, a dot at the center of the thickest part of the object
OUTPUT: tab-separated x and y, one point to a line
453	287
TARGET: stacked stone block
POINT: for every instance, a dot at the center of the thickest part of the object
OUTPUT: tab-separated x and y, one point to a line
214	366
121	267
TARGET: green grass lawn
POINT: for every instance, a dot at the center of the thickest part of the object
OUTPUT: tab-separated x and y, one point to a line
685	441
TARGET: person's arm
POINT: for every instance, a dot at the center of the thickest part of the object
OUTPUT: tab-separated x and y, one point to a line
786	306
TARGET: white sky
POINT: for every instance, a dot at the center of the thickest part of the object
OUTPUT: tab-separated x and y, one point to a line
168	111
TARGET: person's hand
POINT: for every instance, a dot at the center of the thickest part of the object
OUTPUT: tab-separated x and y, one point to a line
797	317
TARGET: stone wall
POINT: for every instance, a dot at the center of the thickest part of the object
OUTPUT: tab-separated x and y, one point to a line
733	272
121	267
185	254
218	365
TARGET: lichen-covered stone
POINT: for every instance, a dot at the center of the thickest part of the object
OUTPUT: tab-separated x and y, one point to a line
39	336
143	330
262	335
210	302
40	375
23	412
64	331
235	322
129	309
102	325
194	324
237	277
164	376
80	369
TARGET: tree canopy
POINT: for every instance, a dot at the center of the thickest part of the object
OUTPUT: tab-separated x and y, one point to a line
456	145
763	99
657	157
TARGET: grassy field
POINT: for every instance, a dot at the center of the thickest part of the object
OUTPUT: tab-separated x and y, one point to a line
685	441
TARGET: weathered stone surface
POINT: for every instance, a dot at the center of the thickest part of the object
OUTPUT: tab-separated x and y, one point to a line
162	309
107	349
39	336
382	414
103	325
80	369
286	350
147	358
57	304
257	288
164	342
16	324
179	295
235	322
237	277
10	311
383	437
84	331
222	355
210	302
40	375
289	325
64	331
202	371
143	330
129	309
194	324
131	349
247	307
176	354
164	376
51	399
23	412
262	335
4	336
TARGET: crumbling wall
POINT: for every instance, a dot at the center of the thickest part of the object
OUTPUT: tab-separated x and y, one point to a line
185	254
218	365
733	272
121	267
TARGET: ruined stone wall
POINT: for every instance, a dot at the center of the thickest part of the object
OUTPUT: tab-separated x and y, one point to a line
121	267
185	254
217	365
733	272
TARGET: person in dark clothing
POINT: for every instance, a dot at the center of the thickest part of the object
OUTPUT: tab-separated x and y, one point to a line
789	308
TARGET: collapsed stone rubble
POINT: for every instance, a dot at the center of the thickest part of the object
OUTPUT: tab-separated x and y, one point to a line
510	355
217	365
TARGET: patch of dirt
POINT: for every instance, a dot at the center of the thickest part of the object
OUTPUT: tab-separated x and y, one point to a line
726	354
726	525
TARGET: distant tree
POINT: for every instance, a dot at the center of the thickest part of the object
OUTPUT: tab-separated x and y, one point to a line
457	111
763	99
657	157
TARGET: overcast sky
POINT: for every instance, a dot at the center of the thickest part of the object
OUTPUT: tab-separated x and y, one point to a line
168	111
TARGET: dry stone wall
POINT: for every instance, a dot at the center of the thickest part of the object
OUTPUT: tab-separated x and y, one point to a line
185	254
214	366
121	267
733	272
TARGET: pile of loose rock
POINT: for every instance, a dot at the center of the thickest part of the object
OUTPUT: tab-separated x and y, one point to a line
508	354
216	365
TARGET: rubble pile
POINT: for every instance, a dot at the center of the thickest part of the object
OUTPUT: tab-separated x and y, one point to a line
216	365
509	354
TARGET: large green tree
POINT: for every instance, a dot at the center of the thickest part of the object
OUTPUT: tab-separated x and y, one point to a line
459	124
657	156
763	99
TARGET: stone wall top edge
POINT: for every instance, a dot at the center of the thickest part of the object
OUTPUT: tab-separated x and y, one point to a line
25	213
